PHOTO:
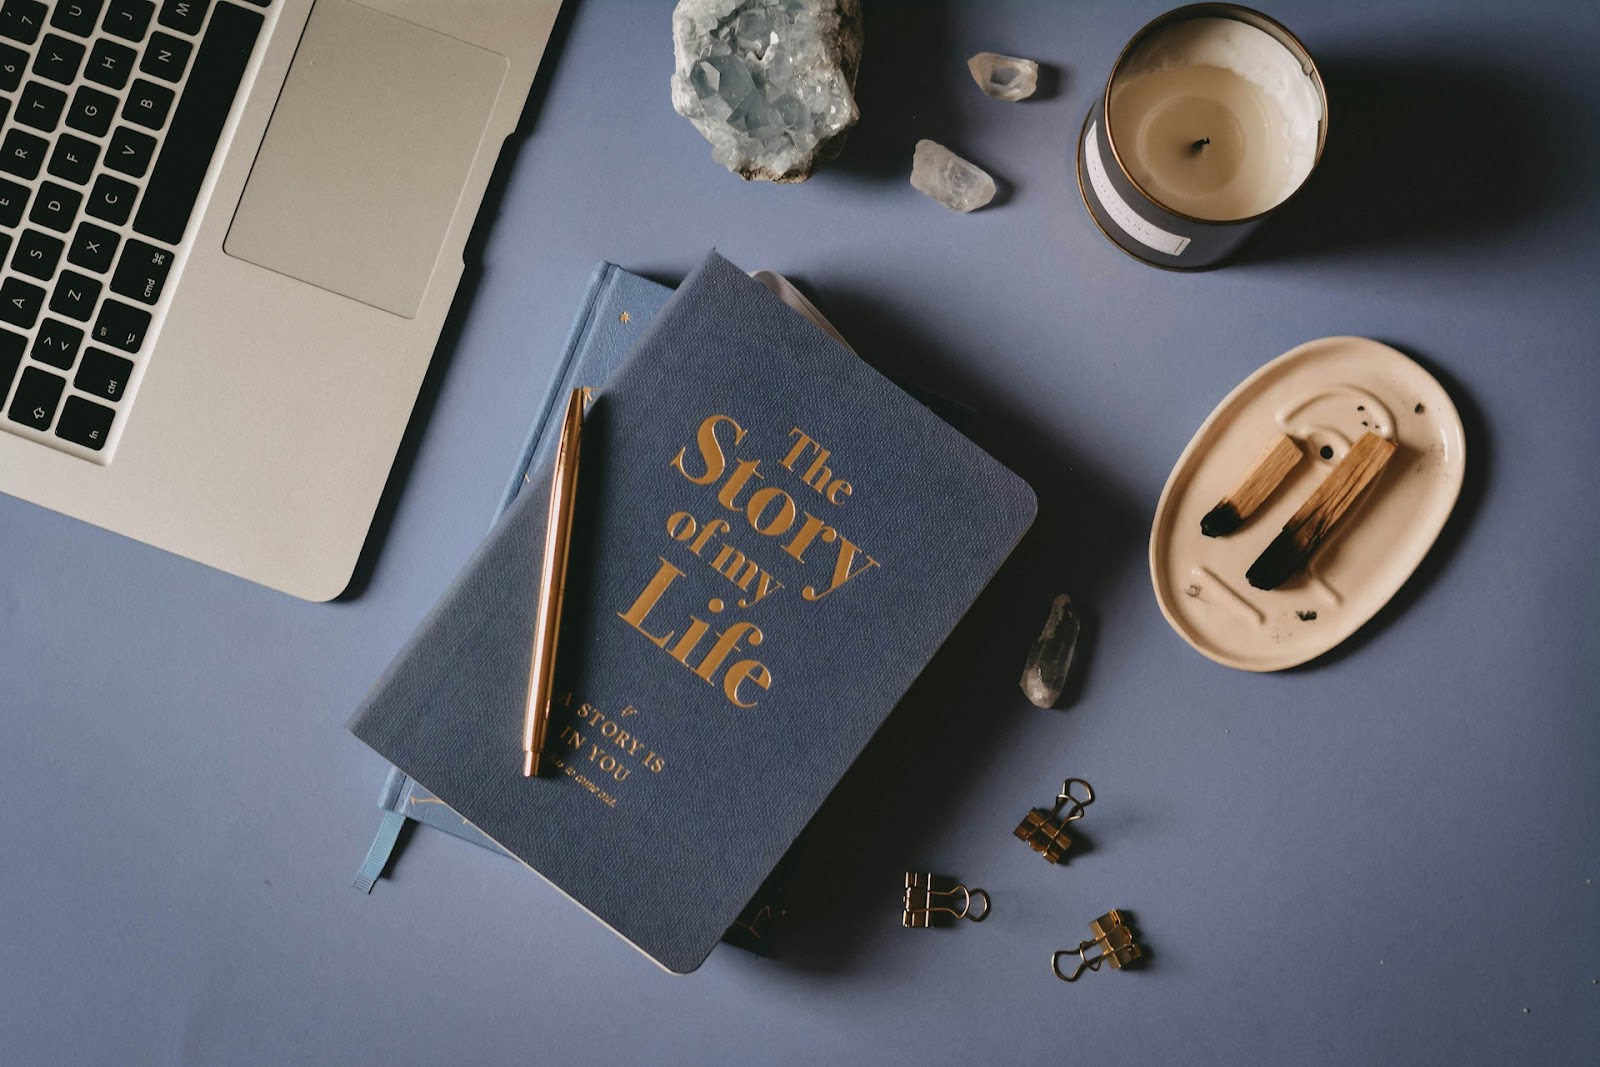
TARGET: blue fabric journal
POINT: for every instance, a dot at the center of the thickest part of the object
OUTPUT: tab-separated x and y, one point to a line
773	540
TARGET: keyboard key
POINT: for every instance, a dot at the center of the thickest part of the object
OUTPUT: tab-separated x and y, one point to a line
147	104
110	64
91	111
75	295
13	64
103	374
83	422
185	16
57	343
58	59
38	393
112	199
22	153
93	248
55	206
142	271
76	16
5	109
20	302
119	325
129	18
12	346
197	123
165	56
5	247
73	159
37	255
13	201
20	20
40	106
130	151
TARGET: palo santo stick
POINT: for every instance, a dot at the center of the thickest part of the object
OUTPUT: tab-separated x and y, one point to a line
1317	517
1281	457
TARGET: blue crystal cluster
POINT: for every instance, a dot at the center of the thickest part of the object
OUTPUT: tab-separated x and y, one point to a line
768	82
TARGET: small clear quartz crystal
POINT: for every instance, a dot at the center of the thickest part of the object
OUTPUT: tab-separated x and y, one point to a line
941	175
1050	660
1004	77
770	83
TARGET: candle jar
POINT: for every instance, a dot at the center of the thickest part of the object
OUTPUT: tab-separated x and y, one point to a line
1214	115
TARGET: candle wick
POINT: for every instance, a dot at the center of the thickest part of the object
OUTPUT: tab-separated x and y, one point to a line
1198	145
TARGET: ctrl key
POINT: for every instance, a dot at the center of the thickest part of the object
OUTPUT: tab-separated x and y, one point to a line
85	423
38	393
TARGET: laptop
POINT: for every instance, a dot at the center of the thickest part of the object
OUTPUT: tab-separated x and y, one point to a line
230	231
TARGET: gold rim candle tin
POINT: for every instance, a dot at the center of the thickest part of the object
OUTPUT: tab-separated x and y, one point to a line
1213	117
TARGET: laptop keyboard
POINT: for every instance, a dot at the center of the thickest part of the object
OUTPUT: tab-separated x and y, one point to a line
110	114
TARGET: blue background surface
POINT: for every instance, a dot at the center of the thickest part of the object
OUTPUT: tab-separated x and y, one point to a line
1388	854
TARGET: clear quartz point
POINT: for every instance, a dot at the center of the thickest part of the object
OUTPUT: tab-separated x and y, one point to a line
941	175
1004	77
1050	660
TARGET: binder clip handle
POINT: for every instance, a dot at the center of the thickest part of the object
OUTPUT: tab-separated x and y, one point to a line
1085	962
965	910
1073	805
1055	963
966	904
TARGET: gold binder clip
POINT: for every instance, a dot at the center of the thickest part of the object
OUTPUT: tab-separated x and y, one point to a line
1045	831
1112	936
929	901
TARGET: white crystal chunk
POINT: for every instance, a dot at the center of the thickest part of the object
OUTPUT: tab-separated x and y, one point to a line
770	83
940	174
1004	77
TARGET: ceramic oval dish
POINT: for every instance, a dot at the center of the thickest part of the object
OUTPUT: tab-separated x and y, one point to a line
1325	395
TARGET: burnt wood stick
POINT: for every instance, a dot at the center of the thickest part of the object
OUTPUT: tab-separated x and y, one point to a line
1321	513
1281	457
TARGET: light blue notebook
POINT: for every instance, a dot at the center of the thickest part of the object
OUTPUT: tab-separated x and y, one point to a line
617	307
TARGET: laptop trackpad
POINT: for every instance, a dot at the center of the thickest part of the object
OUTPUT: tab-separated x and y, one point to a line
366	154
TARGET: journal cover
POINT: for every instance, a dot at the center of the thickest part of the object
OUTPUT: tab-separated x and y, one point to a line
773	541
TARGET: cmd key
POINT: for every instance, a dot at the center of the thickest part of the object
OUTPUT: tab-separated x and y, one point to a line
142	271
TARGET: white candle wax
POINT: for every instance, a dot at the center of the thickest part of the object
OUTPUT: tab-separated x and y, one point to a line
1215	119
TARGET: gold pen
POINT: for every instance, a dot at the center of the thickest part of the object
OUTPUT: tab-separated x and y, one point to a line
552	584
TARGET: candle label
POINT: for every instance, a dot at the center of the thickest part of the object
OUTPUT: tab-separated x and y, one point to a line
1130	221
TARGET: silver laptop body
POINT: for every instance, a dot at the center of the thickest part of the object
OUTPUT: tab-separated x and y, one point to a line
252	330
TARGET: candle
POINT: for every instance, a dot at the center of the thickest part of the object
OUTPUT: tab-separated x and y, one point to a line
1213	116
1217	119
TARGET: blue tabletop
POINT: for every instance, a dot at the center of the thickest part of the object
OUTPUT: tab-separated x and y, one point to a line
1388	854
